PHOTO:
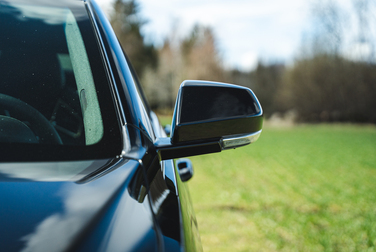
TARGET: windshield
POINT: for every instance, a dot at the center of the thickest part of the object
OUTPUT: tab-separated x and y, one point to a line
49	93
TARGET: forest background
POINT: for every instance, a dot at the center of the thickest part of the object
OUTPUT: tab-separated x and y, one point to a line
322	84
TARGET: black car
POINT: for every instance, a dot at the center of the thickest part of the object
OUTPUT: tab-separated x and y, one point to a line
85	164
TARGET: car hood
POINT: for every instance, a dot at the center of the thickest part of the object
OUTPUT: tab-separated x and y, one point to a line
52	213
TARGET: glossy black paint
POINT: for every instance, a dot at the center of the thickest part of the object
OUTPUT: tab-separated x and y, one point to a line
166	150
127	93
56	215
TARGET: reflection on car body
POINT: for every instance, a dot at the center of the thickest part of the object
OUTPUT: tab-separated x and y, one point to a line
85	164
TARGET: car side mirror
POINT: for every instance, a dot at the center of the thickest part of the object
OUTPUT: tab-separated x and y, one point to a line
211	117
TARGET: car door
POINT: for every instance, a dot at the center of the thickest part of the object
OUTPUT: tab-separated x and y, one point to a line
157	181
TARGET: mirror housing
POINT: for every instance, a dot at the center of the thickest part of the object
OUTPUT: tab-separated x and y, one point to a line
211	117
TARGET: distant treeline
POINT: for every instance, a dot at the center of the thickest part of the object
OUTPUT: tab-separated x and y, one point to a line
324	88
320	86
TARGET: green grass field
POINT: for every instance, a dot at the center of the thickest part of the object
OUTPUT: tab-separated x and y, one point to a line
301	188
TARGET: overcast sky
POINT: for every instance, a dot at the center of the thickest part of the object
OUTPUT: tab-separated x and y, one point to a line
246	30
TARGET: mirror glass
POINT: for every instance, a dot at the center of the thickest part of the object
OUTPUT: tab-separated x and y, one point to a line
204	103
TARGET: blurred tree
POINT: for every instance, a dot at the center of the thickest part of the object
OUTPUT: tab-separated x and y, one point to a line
193	57
127	24
266	81
162	83
329	21
366	36
243	78
332	89
201	56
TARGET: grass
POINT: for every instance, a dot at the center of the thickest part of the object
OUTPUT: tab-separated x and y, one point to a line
301	188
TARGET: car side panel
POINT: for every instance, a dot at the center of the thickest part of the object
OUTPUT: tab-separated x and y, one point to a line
188	228
125	225
191	235
171	205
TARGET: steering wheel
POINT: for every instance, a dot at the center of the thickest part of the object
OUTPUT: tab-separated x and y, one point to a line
38	123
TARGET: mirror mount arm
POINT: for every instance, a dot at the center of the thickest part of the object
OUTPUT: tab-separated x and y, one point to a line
167	150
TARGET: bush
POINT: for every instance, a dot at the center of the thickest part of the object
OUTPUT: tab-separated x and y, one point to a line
330	88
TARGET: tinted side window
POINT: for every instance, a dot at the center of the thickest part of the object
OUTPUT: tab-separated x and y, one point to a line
54	88
43	62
